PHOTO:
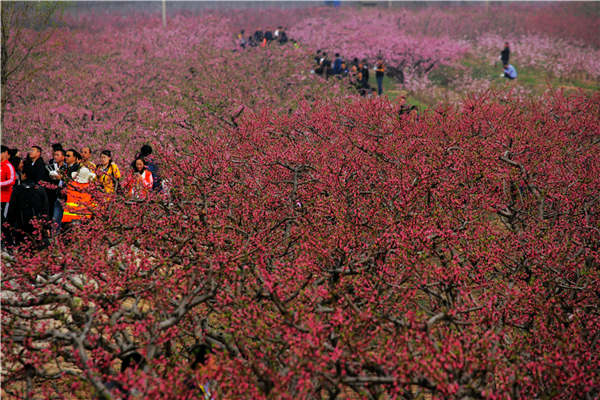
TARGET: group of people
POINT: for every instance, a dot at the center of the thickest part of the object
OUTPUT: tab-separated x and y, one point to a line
263	38
61	191
357	71
509	71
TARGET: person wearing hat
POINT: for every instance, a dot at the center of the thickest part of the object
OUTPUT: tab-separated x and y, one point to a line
79	200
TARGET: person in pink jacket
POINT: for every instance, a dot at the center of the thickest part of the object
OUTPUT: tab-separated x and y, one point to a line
140	181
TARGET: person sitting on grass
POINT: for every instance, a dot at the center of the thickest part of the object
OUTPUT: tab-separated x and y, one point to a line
509	72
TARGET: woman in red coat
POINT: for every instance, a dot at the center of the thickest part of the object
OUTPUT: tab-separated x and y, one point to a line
139	183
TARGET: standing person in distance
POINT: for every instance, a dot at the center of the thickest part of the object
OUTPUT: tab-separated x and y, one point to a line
326	66
365	74
505	54
337	64
283	39
269	36
379	71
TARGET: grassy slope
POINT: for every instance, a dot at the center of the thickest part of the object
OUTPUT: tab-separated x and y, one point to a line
446	79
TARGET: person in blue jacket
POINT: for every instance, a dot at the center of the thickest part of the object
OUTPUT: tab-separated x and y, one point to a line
509	72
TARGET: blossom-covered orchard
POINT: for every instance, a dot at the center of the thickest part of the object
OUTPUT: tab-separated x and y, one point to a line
118	85
324	245
336	251
560	37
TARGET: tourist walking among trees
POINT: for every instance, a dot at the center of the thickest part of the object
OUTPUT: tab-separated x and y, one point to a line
108	172
365	75
326	66
86	155
344	70
140	181
379	71
28	201
7	181
79	201
269	36
283	39
505	54
56	170
16	161
34	159
146	155
337	64
72	159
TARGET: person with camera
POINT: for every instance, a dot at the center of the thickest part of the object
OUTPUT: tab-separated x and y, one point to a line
64	176
56	170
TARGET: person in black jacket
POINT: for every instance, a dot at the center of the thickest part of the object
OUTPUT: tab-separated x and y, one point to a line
505	54
27	202
379	71
56	170
365	75
283	38
269	36
34	159
337	64
326	66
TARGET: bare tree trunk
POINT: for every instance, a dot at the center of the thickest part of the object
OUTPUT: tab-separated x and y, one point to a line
4	71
